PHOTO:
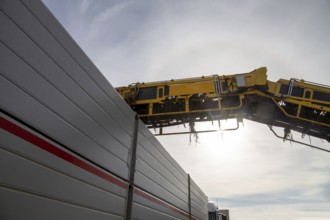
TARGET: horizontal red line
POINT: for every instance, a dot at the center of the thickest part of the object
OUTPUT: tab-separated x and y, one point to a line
160	202
39	142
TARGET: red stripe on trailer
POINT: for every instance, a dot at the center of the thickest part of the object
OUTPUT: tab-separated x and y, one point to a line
39	142
51	148
154	199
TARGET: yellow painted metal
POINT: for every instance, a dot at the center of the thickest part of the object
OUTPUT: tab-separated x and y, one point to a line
224	96
198	85
191	88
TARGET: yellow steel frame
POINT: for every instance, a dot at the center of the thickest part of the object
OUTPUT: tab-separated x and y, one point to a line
219	92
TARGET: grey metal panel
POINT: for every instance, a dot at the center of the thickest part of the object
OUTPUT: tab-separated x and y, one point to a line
166	193
150	144
76	108
155	170
198	201
60	66
146	206
200	214
197	192
51	184
22	105
144	212
198	210
180	171
29	168
155	178
19	146
49	83
19	205
42	52
40	89
63	38
157	173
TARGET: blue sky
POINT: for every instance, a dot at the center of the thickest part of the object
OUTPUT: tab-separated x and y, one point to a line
249	171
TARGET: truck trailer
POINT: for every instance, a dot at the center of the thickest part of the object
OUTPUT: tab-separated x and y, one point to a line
70	146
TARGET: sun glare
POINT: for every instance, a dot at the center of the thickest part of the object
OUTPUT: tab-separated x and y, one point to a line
226	144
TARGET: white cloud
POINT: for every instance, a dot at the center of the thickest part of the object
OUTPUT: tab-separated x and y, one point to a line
111	12
84	5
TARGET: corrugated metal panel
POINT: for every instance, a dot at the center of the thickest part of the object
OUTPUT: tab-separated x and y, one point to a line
122	111
158	173
31	172
48	83
20	205
144	212
37	64
146	206
198	201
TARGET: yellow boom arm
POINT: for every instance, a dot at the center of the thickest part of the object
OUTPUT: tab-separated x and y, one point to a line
292	104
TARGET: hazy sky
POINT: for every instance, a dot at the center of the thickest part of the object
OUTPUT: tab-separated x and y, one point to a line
248	171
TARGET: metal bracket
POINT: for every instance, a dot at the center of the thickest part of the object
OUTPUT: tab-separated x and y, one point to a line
185	132
229	129
298	142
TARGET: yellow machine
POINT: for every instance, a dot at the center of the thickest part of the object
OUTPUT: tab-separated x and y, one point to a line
292	104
